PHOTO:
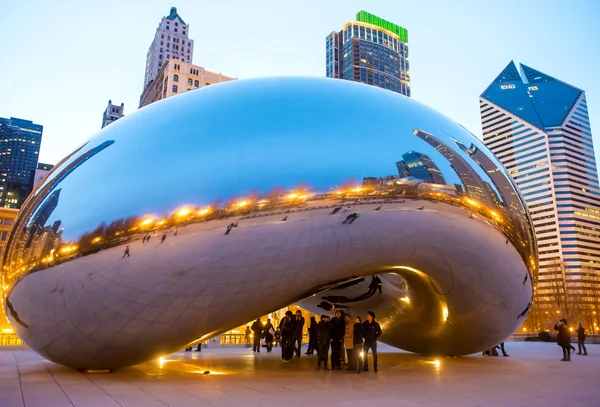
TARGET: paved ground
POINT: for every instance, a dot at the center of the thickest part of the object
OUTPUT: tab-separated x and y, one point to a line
531	376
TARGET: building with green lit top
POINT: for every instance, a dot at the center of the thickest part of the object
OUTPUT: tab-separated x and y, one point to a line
370	50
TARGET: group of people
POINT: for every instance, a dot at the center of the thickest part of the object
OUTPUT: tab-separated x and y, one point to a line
564	339
349	339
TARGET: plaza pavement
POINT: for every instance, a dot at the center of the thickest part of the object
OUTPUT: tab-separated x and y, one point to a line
531	376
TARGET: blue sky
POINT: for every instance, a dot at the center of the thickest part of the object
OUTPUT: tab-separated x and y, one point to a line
61	61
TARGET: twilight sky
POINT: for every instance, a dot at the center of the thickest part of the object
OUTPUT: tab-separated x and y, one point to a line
61	61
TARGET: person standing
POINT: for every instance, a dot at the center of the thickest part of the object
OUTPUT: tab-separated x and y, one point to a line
372	333
257	329
349	339
564	339
277	337
298	328
248	335
581	339
323	332
312	337
287	335
358	345
338	328
268	333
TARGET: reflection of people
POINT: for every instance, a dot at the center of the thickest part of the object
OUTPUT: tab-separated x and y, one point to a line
257	329
581	339
323	339
372	333
376	284
564	339
126	253
350	218
298	327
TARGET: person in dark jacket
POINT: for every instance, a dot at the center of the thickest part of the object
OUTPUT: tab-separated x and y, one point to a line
372	333
268	334
581	338
338	328
564	339
257	329
287	335
312	337
323	333
359	333
298	328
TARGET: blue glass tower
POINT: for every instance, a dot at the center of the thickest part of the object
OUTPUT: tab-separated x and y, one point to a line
19	152
538	127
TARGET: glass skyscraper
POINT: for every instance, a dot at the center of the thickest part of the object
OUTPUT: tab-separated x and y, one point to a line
19	150
370	50
539	128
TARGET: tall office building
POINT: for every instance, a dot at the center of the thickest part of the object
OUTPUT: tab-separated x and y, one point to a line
370	50
41	172
538	127
112	113
171	41
178	77
19	152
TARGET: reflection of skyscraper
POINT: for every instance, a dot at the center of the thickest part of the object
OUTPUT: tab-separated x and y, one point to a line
38	222
419	165
501	182
539	128
402	169
473	185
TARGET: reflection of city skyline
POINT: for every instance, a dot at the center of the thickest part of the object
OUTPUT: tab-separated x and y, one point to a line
418	176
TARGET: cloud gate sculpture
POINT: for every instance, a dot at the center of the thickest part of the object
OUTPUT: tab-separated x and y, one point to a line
260	193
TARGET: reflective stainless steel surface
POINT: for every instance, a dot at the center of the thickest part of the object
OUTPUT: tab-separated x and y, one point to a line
254	185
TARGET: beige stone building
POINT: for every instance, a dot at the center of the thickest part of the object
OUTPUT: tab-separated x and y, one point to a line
176	77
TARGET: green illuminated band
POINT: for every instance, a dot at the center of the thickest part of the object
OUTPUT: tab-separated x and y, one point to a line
369	18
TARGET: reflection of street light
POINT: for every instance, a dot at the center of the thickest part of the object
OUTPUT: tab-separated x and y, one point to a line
445	313
405	299
242	204
183	212
204	211
147	222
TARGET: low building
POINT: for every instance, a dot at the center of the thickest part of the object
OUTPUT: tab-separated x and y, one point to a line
176	77
112	113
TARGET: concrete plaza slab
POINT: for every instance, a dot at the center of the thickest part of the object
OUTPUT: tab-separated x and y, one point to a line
533	375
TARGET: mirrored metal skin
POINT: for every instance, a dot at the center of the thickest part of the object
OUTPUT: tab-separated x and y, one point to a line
261	193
